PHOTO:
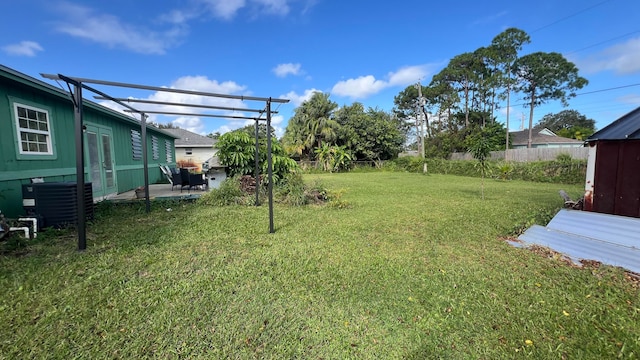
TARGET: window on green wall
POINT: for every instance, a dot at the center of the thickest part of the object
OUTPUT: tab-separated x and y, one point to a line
136	145
168	151
154	148
33	131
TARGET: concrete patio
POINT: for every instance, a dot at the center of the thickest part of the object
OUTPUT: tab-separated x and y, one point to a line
161	192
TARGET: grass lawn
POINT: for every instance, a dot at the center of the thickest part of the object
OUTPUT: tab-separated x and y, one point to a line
414	268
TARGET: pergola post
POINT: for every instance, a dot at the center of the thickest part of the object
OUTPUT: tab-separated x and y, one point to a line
270	167
79	131
143	132
257	169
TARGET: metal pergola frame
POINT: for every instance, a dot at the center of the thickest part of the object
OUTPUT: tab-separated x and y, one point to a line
77	100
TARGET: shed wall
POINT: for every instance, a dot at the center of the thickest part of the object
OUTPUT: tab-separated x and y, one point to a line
617	178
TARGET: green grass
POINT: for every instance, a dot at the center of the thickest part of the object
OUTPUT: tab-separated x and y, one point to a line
414	268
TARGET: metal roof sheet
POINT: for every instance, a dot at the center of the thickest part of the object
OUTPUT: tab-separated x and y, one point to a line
610	239
626	127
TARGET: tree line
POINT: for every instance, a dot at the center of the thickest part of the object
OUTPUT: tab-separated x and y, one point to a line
461	102
465	95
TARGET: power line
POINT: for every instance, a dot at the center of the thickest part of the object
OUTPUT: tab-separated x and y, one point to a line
593	92
607	89
570	16
603	42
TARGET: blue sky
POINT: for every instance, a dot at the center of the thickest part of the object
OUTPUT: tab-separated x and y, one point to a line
365	51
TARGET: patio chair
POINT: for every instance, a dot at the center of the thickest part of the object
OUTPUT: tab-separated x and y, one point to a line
197	180
181	178
167	173
174	176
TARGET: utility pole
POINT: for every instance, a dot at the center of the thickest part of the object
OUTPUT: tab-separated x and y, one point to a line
419	119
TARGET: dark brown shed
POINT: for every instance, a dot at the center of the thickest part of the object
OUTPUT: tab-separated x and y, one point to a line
613	172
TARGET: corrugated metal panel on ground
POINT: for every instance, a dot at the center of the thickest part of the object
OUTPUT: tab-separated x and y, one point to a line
612	240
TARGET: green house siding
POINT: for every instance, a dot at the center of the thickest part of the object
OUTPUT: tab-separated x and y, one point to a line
129	171
18	169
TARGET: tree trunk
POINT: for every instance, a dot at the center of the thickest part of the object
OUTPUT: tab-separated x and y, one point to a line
466	104
533	100
506	144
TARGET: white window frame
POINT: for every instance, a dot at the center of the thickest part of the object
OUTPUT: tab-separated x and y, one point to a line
49	140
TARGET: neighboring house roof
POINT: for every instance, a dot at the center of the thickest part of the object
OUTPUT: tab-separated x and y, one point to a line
626	127
186	138
544	136
27	80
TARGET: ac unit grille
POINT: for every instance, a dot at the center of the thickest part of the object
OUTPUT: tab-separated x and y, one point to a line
55	202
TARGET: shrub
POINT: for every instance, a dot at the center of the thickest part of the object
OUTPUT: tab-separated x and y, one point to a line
563	171
563	158
293	191
229	193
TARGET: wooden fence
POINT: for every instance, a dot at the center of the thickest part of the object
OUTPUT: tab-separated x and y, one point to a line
528	155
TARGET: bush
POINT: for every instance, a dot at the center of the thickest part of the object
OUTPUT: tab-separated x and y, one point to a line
293	191
229	193
562	171
290	190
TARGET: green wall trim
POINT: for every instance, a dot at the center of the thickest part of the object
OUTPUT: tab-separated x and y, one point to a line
28	174
130	167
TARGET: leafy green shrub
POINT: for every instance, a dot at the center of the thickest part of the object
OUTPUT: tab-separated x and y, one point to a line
405	163
333	158
504	170
336	201
564	158
228	193
559	172
236	149
292	190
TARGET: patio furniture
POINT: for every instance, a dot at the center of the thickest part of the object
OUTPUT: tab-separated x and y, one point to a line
196	180
174	176
183	175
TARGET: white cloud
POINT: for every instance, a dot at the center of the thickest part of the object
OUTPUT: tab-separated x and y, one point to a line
623	59
361	87
23	48
204	84
83	22
276	120
178	16
279	7
633	99
297	99
232	125
282	70
408	75
227	9
365	86
191	123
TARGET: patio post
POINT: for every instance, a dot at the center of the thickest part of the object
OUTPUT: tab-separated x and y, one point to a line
270	167
79	131
143	131
257	169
